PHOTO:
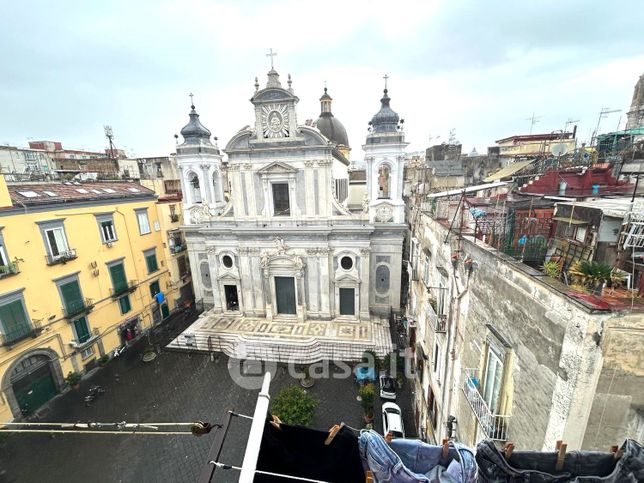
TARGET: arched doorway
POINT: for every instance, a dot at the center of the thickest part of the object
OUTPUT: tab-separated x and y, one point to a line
31	381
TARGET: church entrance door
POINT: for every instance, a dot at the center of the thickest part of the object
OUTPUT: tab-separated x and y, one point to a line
347	301
232	300
285	295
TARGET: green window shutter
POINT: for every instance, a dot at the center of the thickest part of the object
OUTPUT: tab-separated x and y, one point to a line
124	304
72	298
82	329
154	288
119	281
14	321
151	261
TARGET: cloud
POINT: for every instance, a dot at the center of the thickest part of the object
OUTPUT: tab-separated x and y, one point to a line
479	67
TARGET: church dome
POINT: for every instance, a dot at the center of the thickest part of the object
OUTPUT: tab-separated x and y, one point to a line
385	120
195	132
329	125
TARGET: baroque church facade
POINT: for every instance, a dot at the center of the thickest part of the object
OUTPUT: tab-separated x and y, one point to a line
272	239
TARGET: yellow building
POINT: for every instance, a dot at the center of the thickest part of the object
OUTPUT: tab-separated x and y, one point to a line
82	271
517	148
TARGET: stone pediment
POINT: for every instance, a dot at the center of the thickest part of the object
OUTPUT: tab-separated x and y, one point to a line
342	275
277	168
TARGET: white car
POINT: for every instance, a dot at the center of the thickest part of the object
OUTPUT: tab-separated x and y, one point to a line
387	387
392	420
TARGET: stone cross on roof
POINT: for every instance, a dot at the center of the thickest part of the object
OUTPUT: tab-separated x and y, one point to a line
271	54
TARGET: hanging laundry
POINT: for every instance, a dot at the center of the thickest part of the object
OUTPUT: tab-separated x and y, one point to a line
300	451
578	466
412	461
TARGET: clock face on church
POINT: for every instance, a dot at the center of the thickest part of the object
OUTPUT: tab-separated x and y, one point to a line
275	120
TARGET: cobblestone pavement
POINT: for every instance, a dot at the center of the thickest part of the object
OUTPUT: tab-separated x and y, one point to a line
175	387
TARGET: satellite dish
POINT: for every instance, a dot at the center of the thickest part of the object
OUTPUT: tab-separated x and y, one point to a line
559	149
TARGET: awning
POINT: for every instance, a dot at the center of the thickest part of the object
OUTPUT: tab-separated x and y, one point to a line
509	170
570	221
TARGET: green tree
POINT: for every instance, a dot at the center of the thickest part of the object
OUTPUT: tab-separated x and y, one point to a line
293	405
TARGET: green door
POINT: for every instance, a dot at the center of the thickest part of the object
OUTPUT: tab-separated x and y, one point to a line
285	293
34	389
165	311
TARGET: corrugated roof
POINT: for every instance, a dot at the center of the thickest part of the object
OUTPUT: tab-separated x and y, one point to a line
34	194
509	170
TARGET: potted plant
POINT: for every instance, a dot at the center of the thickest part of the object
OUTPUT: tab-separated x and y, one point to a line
552	268
592	275
307	380
293	405
367	393
73	379
103	360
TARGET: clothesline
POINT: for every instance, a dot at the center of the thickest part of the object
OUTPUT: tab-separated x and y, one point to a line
197	428
267	473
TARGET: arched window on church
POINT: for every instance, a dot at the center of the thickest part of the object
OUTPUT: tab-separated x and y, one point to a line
195	192
384	182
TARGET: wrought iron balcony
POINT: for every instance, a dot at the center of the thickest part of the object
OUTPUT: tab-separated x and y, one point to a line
62	257
174	218
16	336
438	322
495	426
78	308
10	269
127	287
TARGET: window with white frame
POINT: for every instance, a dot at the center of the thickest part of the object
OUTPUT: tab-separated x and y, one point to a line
427	270
142	219
53	233
106	227
4	260
494	368
85	353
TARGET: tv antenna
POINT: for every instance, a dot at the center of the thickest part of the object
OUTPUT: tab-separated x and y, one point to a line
570	122
110	137
533	120
602	114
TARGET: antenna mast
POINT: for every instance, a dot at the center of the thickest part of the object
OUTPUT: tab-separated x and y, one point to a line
110	137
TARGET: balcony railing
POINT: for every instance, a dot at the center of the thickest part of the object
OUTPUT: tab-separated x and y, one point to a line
62	257
128	287
174	218
14	337
438	322
78	307
495	426
10	269
413	272
177	248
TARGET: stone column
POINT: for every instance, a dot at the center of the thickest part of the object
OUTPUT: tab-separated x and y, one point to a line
246	306
325	288
365	277
309	206
256	282
249	186
214	280
313	275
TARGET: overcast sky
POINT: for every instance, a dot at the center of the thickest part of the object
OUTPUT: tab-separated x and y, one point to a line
480	67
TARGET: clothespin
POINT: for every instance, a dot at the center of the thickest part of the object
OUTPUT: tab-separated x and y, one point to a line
335	429
445	448
276	422
561	455
507	450
617	453
369	477
389	437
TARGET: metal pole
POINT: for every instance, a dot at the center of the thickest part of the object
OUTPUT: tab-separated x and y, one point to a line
256	431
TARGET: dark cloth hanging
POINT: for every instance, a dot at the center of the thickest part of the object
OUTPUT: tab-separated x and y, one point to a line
300	451
578	467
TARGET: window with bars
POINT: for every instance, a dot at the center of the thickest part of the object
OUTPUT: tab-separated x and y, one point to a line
635	235
155	288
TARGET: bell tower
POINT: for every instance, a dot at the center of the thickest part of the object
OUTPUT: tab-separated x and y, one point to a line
385	159
199	162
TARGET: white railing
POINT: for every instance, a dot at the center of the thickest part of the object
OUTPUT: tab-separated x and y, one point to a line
495	426
438	322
